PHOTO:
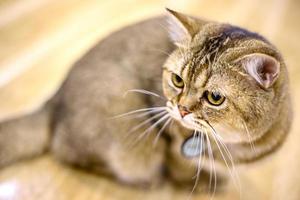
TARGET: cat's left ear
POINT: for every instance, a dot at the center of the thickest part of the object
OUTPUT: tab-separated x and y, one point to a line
182	28
263	68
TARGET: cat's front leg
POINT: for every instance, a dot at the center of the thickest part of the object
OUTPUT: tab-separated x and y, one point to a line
138	163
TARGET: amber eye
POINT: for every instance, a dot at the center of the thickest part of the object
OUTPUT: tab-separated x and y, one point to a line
214	98
177	81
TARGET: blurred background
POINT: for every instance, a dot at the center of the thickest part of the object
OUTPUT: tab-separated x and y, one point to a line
41	39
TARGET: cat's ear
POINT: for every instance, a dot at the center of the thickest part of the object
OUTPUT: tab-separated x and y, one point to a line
182	28
263	68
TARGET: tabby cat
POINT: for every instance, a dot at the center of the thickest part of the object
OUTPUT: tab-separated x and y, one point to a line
198	96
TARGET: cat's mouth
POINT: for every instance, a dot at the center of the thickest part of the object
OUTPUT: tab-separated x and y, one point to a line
188	121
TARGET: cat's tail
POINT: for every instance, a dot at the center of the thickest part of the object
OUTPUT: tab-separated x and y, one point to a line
25	136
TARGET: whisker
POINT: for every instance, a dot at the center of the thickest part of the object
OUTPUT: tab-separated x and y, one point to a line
159	50
212	164
153	126
198	142
161	130
222	153
232	170
199	165
209	156
138	111
220	140
249	137
193	143
144	114
147	121
142	91
194	136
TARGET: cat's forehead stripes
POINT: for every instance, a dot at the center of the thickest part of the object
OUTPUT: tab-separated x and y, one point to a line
206	54
195	71
200	60
224	37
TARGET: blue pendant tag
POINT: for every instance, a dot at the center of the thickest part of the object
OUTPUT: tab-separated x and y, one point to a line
193	146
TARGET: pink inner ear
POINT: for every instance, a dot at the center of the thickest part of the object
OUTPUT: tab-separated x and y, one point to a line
263	68
270	69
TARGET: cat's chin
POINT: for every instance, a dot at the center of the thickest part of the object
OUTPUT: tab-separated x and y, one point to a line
187	124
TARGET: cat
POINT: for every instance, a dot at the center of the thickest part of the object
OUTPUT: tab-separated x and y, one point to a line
197	95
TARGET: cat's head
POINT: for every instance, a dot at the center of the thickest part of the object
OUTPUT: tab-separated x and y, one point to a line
222	78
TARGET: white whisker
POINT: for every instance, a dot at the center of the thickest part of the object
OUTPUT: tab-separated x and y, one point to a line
194	135
138	111
143	114
198	142
249	137
147	121
209	156
193	142
199	165
212	164
231	168
161	51
142	91
161	130
153	126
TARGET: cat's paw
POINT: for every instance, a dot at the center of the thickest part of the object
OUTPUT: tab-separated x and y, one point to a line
204	182
138	175
141	181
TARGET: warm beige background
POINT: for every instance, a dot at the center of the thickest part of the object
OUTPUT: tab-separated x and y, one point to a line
40	39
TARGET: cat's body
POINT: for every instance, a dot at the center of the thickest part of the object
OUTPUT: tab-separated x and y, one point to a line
106	73
76	126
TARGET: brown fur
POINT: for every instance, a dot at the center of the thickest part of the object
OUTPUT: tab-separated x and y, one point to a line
207	55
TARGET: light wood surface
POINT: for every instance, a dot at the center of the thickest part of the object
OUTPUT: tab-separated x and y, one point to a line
46	179
40	39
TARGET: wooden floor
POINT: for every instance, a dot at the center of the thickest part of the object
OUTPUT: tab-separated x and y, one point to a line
40	39
46	179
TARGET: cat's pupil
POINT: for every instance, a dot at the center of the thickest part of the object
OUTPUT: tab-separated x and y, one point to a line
178	79
216	96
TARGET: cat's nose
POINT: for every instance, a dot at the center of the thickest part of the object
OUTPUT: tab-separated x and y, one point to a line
183	110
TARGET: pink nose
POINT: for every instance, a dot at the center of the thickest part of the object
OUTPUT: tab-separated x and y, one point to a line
183	110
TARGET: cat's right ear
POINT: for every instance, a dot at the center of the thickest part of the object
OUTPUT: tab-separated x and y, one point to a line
182	28
263	68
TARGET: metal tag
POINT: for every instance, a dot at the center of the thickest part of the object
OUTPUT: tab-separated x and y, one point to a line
193	146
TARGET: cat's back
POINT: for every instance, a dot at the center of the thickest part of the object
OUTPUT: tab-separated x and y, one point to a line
139	47
129	58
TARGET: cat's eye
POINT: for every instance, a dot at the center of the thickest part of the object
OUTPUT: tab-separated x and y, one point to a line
177	81
214	98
